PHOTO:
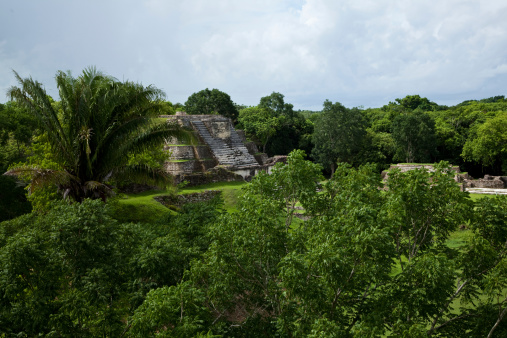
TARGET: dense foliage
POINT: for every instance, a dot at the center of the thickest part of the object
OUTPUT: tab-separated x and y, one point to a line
92	131
211	102
352	257
276	126
365	261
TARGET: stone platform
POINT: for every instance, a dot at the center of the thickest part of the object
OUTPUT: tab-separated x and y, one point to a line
217	144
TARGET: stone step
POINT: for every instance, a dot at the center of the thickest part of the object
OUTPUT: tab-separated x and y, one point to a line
234	153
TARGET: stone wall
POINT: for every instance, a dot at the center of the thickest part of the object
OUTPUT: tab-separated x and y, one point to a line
185	167
429	167
407	167
488	182
241	134
262	158
182	152
203	152
212	175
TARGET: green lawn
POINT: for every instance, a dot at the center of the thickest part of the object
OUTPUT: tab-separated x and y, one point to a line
140	207
230	192
475	197
143	207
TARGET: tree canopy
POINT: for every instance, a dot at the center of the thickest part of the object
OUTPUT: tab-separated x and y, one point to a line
414	137
92	130
211	102
338	135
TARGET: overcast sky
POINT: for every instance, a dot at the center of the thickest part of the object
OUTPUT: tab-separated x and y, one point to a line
358	52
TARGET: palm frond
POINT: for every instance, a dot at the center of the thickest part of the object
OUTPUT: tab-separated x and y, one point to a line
143	175
95	189
41	178
32	96
153	136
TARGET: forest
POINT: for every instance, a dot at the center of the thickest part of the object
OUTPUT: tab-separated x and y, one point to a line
321	247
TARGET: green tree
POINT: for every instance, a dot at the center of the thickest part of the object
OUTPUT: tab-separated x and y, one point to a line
488	143
412	102
276	103
17	126
414	137
293	130
259	122
338	135
211	102
101	122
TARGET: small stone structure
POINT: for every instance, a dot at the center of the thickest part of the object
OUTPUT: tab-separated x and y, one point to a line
490	182
218	152
496	185
406	167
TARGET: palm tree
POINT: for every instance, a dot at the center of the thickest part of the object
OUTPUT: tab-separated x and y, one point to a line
99	122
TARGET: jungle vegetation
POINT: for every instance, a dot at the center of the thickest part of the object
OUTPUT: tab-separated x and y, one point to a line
412	256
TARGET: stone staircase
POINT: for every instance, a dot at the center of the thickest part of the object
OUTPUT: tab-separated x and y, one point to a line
233	154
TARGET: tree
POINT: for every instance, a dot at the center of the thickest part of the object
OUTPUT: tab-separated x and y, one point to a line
487	144
275	102
259	122
414	137
211	102
101	121
412	102
338	135
17	126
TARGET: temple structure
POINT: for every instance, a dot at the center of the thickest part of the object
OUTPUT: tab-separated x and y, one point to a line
214	151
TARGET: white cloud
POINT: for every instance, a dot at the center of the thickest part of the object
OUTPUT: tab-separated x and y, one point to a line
360	52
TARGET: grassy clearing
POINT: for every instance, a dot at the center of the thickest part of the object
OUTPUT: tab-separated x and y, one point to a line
140	207
475	197
143	207
230	192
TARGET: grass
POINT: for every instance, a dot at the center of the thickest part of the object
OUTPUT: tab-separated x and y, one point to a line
230	192
143	207
140	207
475	197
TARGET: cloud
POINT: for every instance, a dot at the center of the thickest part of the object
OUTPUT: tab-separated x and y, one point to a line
361	52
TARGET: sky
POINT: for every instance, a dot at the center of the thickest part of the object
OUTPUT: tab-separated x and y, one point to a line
358	52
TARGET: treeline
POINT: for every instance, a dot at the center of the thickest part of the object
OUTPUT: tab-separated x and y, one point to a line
471	134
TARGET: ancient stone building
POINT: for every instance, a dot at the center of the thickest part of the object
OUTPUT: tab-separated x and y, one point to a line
214	151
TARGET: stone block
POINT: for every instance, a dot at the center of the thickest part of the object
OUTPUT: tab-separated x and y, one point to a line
203	152
186	167
182	152
262	158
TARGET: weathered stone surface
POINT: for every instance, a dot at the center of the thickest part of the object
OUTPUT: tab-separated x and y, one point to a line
216	174
182	152
261	158
252	147
490	182
241	134
407	167
175	168
219	145
203	152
